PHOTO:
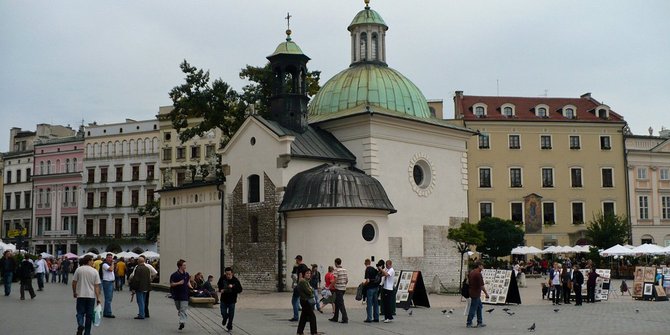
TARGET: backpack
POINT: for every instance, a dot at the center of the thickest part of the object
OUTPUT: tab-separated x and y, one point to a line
465	289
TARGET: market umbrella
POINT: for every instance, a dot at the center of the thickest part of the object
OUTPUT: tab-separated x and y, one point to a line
532	250
617	250
519	251
89	253
70	255
127	254
150	254
648	249
47	255
550	250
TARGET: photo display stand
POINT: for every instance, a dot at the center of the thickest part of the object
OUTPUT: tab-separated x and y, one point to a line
411	290
602	284
643	282
501	286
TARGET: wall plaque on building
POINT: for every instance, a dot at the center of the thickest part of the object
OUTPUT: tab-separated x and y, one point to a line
533	219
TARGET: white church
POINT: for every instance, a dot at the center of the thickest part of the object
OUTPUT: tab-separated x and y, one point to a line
363	170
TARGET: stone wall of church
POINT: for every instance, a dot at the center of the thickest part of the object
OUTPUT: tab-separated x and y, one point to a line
254	263
440	263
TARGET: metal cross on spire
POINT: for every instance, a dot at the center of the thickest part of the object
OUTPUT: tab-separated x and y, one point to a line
288	20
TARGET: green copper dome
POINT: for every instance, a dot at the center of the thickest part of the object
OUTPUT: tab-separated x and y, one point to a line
367	16
369	84
287	48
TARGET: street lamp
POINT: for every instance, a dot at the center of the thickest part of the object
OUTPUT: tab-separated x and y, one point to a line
215	163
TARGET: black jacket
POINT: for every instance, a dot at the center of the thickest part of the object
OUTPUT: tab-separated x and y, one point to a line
229	294
577	278
26	270
7	265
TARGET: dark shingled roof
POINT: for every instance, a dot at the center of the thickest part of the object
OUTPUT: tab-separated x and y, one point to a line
332	187
313	143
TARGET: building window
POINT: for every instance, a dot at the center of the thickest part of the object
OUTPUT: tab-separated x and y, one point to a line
569	113
89	199
103	199
515	141
167	154
508	111
545	142
195	152
547	177
253	229
9	177
102	227
480	111
181	153
664	173
18	175
67	165
516	209
91	175
8	201
47	201
607	179
577	212
485	177
118	228
134	227
118	199
28	175
368	232
363	51
646	239
254	188
603	113
576	177
42	171
548	211
643	207
150	172
136	172
485	210
89	227
150	195
209	150
134	198
541	112
484	141
66	196
374	48
515	177
608	209
167	136
665	207
28	199
605	143
574	142
74	196
641	173
119	173
103	174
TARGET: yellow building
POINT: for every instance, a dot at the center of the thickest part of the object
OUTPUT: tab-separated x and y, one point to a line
548	163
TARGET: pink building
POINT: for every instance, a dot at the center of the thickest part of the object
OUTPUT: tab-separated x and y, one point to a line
56	190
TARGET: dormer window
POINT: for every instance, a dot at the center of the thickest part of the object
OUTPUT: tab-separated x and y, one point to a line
569	112
603	112
480	110
542	111
507	110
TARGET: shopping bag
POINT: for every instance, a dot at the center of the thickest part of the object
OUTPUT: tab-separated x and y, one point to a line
97	315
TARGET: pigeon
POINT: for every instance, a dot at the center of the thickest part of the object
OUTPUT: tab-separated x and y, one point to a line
532	327
637	311
444	311
490	310
410	313
505	309
510	313
451	311
556	310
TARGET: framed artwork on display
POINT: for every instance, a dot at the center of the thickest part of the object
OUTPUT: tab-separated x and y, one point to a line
648	289
639	273
637	289
660	292
649	274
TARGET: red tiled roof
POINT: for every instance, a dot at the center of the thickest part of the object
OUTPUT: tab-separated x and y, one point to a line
524	108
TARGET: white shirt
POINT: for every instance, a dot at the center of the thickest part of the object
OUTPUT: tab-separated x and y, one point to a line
556	280
106	274
41	266
86	278
388	280
152	271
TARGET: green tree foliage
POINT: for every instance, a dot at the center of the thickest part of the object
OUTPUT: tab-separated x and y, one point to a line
152	212
466	235
501	236
217	105
605	231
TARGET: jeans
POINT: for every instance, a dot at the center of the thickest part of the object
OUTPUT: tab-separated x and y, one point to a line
295	302
228	313
64	280
373	303
108	290
475	307
7	278
182	310
141	297
85	313
40	280
53	276
557	294
317	304
146	303
120	281
388	299
339	306
307	315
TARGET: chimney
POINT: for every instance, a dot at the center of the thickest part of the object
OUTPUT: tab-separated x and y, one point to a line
458	107
664	132
586	95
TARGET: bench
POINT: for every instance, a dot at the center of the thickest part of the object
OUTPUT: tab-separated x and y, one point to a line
201	302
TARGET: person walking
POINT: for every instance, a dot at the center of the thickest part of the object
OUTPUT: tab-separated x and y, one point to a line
180	285
153	272
41	269
577	282
306	293
298	269
371	283
120	274
328	293
566	280
141	284
229	287
25	273
86	289
388	298
315	283
65	267
555	280
341	280
7	267
591	285
476	283
107	270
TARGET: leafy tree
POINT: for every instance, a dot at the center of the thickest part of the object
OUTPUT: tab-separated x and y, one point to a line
501	236
152	211
605	231
465	236
220	106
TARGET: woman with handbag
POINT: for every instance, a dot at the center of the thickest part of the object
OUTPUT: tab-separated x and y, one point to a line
306	302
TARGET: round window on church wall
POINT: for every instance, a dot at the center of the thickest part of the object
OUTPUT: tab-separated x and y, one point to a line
368	232
421	173
418	174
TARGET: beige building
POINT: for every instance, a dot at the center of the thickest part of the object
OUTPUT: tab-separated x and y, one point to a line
548	163
177	158
648	159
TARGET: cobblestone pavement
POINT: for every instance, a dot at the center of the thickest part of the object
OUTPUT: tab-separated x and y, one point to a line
52	312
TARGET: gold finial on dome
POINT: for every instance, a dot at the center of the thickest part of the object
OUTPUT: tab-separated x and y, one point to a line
288	26
288	34
367	4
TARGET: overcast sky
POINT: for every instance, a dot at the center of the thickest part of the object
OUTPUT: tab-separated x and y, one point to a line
62	62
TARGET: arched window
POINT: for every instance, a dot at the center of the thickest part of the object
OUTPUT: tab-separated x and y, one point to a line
42	167
66	196
364	46
47	201
67	165
48	167
375	47
254	193
74	165
253	229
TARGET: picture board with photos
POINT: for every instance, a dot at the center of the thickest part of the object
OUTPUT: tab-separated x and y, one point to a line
411	290
501	286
